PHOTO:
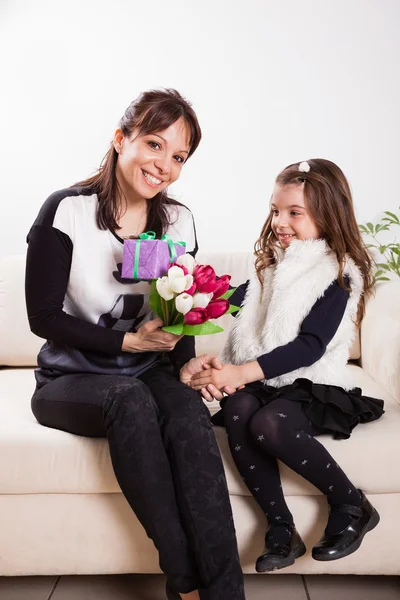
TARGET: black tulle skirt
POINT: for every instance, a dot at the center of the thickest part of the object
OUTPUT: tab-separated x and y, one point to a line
330	408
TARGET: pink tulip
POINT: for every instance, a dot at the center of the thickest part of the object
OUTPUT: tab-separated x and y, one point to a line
222	286
191	290
217	308
196	316
205	279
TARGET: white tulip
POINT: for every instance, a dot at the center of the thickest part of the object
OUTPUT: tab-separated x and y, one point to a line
201	300
187	260
177	281
184	303
164	289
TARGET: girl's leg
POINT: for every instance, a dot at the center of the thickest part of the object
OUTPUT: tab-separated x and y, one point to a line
123	409
283	430
258	468
200	485
261	473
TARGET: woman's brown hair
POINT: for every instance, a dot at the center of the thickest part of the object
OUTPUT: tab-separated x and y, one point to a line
328	198
152	111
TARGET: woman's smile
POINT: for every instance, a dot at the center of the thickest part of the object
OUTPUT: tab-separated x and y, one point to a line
151	180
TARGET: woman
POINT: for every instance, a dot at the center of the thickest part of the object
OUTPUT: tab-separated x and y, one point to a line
108	370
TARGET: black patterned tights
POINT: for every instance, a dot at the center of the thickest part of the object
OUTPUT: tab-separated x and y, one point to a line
259	435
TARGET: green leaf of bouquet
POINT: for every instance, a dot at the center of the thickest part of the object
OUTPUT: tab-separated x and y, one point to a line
175	329
155	300
378	274
382	279
232	309
227	294
206	328
382	249
370	227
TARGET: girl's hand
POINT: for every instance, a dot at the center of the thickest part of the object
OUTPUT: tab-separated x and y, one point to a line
196	365
230	376
211	393
150	338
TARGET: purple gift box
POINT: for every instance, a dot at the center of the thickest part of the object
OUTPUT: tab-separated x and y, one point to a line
149	258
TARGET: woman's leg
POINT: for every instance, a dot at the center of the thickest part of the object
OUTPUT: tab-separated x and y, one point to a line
283	430
123	409
200	484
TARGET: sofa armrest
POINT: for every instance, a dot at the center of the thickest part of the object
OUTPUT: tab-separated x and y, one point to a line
380	337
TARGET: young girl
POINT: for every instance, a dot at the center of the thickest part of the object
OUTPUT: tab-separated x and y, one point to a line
286	356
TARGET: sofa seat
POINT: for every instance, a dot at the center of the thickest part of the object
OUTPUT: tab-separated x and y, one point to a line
47	461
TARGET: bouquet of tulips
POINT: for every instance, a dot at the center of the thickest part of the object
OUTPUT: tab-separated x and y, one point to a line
189	295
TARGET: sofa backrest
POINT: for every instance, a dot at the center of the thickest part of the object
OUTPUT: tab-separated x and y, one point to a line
19	347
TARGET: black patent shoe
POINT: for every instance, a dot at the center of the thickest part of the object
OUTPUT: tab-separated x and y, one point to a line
279	555
339	545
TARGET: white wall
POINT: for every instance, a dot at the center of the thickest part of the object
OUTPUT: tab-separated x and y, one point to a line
272	81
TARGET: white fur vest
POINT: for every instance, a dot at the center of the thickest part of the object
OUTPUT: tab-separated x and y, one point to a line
273	316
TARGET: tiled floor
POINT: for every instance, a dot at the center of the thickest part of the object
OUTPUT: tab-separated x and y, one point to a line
151	587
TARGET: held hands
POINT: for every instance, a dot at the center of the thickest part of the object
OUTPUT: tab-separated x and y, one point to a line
212	377
204	365
196	365
225	376
150	338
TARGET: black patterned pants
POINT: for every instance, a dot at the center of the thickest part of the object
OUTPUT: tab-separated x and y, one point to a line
168	466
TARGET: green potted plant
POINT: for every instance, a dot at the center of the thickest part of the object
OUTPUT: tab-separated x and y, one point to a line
388	252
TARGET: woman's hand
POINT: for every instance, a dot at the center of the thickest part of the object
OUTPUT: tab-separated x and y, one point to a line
150	338
196	365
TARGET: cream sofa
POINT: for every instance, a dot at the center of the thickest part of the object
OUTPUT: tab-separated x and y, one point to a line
62	512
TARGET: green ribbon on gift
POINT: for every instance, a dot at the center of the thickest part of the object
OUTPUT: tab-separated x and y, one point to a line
172	252
151	235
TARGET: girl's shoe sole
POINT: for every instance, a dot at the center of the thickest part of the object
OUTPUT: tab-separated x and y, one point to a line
372	523
273	563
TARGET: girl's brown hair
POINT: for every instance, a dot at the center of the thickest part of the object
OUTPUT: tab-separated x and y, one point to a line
152	111
328	198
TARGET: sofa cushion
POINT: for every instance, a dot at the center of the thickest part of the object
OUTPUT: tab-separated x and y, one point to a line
36	459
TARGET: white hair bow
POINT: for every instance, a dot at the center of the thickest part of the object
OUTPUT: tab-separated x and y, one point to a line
304	167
